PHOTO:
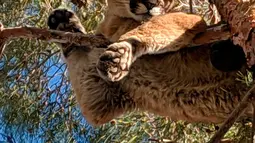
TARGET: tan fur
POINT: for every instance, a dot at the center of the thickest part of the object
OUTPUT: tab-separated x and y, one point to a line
168	32
182	85
118	17
112	27
159	34
163	33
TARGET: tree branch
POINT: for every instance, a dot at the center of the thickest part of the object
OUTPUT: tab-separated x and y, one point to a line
92	41
240	15
233	116
88	40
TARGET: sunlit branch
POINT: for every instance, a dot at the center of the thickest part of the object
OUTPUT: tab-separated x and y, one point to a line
92	41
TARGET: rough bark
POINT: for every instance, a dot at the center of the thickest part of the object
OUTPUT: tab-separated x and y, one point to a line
87	40
92	41
240	15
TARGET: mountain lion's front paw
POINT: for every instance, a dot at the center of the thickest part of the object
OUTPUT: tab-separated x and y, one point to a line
115	62
65	20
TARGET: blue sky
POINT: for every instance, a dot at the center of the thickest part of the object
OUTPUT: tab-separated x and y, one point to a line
55	71
55	75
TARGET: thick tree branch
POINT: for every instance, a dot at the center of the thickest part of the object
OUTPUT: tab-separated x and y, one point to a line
240	15
87	40
93	41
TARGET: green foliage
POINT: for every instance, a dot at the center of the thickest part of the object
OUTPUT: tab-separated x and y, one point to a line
37	103
36	97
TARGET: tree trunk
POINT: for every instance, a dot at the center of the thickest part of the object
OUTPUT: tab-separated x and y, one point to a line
240	15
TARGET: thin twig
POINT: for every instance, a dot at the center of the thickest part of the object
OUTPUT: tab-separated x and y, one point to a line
233	117
191	6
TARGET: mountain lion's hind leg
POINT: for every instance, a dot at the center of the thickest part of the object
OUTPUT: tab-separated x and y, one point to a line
164	33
